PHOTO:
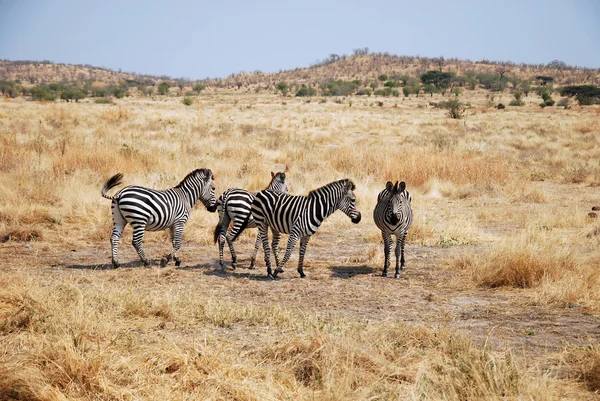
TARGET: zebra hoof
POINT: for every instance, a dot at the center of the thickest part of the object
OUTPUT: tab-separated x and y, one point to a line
302	275
402	268
233	265
384	274
271	277
116	265
279	270
177	262
397	275
163	262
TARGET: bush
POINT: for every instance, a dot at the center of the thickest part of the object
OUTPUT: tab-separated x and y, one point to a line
43	93
517	100
199	88
339	88
363	92
163	88
383	92
188	101
383	77
455	108
500	106
306	91
283	87
104	100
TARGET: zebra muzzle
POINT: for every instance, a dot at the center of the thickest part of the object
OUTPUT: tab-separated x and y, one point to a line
356	219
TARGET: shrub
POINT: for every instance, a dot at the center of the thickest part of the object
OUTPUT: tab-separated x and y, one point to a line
188	101
391	84
383	77
564	102
517	100
339	88
383	92
455	108
104	100
199	88
363	92
283	87
306	91
163	88
500	106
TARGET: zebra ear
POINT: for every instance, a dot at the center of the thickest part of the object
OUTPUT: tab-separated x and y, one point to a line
282	176
402	186
350	185
272	174
389	186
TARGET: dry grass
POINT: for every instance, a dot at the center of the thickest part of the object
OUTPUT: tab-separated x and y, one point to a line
179	334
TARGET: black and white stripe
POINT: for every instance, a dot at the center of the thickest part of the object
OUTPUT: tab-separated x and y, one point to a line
393	215
300	217
156	210
234	206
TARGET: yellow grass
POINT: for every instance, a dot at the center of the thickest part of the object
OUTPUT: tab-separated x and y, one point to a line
500	200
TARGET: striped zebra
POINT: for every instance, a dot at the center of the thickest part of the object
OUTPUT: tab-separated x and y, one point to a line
300	217
393	215
234	206
154	210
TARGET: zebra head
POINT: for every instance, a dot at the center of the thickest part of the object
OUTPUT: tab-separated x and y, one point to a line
347	203
399	200
278	183
199	186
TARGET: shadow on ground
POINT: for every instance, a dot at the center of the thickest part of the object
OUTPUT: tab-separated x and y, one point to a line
351	271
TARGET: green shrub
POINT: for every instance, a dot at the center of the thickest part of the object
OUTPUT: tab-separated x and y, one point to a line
500	106
517	100
339	88
199	88
383	77
163	88
455	108
283	88
306	91
188	101
363	92
585	94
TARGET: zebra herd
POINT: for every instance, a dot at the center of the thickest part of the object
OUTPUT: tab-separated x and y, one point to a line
272	208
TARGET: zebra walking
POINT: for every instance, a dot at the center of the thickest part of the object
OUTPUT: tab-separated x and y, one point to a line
393	215
300	217
234	206
156	210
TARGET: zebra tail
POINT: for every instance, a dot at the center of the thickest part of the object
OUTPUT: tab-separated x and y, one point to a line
222	211
111	183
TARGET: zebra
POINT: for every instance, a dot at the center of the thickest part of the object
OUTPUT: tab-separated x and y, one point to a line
393	215
300	217
154	210
234	205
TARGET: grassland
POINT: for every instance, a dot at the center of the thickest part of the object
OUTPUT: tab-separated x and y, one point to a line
500	299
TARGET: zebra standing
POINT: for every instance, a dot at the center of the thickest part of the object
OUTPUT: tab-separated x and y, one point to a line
393	215
300	217
234	205
154	210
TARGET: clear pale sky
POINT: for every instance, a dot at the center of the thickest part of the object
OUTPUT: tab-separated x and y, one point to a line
200	39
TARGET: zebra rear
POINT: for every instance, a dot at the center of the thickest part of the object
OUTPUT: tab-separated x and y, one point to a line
393	215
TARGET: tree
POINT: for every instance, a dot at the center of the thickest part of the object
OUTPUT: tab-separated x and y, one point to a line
306	91
361	51
441	80
585	94
544	80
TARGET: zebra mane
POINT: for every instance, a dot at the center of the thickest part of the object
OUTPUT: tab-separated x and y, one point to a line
331	184
206	172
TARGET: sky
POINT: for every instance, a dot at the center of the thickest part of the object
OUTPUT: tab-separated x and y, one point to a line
211	39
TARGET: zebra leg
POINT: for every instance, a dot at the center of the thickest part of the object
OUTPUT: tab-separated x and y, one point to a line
229	238
263	234
275	247
288	252
221	239
176	235
256	245
400	253
138	236
303	244
119	224
387	244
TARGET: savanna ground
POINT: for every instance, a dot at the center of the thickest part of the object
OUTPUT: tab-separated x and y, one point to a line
500	298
